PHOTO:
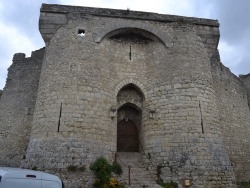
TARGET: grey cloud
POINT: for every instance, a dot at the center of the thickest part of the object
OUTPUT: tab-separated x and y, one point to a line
23	14
244	66
234	18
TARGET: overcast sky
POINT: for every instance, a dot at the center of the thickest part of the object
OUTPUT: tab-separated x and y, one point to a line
19	25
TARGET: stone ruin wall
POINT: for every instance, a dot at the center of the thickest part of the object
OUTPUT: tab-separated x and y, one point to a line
234	116
246	80
17	105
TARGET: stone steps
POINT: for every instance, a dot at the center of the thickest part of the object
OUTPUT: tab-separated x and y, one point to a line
139	176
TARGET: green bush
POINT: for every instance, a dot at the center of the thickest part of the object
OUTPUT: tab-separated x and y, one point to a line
116	168
243	184
102	170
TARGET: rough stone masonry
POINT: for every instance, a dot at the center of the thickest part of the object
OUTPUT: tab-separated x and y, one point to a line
104	72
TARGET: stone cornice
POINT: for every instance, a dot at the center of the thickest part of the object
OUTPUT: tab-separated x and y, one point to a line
128	14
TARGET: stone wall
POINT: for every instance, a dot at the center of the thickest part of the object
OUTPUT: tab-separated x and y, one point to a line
1	92
246	80
234	116
184	137
100	65
17	106
168	62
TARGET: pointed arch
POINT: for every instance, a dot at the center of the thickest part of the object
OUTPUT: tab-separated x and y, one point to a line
139	85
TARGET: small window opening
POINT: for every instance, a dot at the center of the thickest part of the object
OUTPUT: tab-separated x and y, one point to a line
81	32
29	111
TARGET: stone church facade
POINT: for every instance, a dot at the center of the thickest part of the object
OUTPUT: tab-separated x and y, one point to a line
125	81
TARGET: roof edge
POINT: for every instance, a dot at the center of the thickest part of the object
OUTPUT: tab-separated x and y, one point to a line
56	8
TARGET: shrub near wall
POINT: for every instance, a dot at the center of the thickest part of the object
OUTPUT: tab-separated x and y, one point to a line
102	170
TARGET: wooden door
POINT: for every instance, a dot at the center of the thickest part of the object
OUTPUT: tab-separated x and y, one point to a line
127	137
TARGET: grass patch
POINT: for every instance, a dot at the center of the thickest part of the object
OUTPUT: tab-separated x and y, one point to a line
168	184
72	168
243	184
34	168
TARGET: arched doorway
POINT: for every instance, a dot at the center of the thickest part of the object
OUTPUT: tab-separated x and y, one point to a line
127	136
129	114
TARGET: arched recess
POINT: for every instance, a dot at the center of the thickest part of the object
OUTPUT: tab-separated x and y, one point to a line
130	94
139	86
129	117
99	34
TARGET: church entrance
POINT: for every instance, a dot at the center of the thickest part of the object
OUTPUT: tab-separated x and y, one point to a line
127	136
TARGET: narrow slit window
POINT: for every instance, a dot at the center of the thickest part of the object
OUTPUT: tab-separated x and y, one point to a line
59	120
81	32
202	126
130	54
